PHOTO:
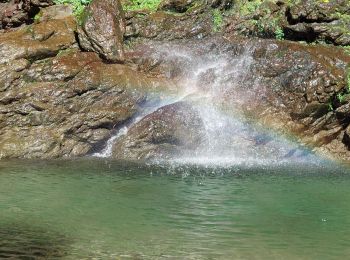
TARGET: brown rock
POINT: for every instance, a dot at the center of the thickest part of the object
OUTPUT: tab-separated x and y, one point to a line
37	41
168	26
66	106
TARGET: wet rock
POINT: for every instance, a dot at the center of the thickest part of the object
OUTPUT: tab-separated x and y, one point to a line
179	6
308	20
346	137
102	29
169	131
286	86
67	106
37	41
14	13
11	72
168	26
299	83
222	4
54	12
343	112
63	67
57	101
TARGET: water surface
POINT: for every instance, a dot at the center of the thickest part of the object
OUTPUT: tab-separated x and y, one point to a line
101	209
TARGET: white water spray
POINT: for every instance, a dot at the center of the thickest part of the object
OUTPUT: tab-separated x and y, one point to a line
218	86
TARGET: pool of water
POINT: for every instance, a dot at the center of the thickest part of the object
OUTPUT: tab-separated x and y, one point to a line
100	209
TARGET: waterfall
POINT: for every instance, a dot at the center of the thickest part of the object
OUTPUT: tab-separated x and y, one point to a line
219	86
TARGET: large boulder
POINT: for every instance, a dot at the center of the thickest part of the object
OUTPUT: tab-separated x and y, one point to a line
102	29
169	131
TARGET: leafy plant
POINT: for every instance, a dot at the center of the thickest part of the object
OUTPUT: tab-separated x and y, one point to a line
248	7
261	27
348	80
347	49
341	97
134	5
346	93
279	33
330	107
78	6
218	20
37	17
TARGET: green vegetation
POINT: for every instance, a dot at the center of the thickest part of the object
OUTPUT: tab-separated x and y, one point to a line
348	80
345	95
66	52
341	97
37	17
269	28
78	6
279	33
347	49
330	106
134	5
218	20
248	7
261	21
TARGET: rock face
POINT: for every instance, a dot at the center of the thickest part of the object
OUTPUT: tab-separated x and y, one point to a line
56	101
13	13
290	87
301	85
165	25
37	41
324	20
169	131
308	20
65	106
179	6
102	29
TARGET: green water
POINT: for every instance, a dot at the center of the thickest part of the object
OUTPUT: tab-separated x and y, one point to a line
96	209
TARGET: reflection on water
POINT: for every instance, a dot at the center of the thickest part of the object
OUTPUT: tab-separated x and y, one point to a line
27	242
103	209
